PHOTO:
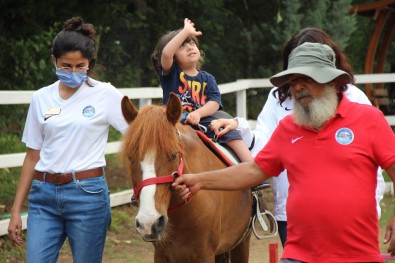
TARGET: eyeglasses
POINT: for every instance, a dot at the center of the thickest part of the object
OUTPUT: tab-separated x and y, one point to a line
72	69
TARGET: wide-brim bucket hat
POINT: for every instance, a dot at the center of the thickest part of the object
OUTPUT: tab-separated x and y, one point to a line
318	61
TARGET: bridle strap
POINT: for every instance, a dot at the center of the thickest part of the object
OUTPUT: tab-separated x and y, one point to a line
162	180
154	180
181	166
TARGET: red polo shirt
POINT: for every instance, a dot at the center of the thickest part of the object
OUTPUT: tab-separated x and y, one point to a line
332	174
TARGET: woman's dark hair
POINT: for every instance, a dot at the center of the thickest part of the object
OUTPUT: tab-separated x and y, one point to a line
163	41
315	35
76	36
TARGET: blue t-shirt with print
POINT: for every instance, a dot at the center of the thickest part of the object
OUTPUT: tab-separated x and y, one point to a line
196	90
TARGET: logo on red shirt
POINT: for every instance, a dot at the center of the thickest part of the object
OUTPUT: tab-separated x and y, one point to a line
344	136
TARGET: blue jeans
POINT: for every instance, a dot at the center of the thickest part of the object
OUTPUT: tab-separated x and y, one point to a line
79	210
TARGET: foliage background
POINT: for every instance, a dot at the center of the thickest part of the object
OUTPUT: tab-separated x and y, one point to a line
241	39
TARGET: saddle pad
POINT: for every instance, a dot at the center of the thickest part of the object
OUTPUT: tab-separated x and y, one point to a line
223	153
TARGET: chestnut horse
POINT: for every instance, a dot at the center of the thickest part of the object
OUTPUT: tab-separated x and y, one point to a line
214	225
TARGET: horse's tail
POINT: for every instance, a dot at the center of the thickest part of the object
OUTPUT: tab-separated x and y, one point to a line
223	258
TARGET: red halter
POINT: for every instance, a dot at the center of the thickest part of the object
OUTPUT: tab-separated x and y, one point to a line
161	180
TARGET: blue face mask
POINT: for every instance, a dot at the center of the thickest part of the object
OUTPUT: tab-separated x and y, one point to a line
71	79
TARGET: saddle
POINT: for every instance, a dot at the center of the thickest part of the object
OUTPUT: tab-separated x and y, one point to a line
222	151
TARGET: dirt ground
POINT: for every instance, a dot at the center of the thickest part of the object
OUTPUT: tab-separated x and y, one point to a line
143	252
259	249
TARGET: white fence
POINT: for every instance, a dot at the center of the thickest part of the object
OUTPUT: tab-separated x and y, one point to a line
145	96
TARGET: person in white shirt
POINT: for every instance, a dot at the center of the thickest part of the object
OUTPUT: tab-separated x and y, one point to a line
66	133
273	112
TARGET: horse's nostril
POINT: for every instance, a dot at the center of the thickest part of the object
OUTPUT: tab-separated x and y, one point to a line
162	221
159	225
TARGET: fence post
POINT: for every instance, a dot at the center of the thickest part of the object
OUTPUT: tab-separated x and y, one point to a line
241	103
144	102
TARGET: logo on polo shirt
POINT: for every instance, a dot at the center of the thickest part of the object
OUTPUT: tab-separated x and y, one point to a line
344	136
296	139
88	111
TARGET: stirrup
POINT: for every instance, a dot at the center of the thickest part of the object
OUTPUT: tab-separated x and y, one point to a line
262	223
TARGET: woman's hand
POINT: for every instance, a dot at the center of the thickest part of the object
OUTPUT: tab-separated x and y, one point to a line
15	228
222	126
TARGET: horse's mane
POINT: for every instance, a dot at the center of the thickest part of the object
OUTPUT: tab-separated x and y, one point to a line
150	131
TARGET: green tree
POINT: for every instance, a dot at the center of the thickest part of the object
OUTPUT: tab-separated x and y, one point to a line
241	39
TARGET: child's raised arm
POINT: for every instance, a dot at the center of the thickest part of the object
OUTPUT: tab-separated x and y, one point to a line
170	49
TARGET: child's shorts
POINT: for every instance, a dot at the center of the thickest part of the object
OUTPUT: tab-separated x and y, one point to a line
229	136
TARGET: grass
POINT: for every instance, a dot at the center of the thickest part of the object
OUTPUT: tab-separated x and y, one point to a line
9	252
9	179
11	143
386	177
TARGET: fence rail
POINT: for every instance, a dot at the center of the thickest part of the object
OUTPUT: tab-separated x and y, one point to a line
145	95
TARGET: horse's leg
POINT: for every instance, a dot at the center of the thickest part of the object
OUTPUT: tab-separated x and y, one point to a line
241	253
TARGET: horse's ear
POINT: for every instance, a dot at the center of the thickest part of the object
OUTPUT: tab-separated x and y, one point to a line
129	111
173	108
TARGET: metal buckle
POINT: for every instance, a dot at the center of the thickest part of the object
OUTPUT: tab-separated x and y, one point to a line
59	179
134	201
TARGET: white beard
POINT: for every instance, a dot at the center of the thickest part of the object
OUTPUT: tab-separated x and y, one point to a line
319	111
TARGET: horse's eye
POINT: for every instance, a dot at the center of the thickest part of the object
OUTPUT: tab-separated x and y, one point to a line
173	157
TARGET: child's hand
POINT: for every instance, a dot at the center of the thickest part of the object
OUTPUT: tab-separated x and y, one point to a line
189	26
193	118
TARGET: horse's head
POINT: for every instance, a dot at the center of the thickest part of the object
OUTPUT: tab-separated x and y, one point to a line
152	152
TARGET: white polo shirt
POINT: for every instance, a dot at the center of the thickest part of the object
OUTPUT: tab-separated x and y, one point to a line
72	134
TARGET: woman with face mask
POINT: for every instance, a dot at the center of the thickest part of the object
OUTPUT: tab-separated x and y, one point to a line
63	173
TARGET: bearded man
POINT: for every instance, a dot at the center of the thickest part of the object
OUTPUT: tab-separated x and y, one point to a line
327	139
